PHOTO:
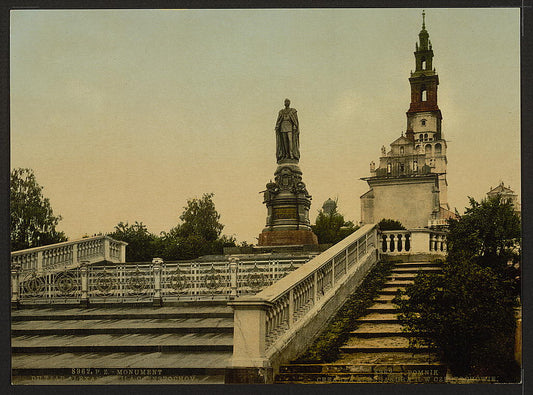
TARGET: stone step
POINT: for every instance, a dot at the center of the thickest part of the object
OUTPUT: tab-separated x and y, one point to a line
400	265
78	313
387	298
390	290
120	368
123	343
378	318
417	269
378	330
329	378
379	344
387	358
397	283
382	308
402	277
122	326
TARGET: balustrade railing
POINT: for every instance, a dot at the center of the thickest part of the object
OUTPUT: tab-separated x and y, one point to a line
70	254
266	323
156	282
414	241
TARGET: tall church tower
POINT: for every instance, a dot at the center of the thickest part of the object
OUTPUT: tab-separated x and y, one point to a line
409	184
424	119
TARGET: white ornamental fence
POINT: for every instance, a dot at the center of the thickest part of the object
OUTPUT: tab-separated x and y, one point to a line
157	282
70	254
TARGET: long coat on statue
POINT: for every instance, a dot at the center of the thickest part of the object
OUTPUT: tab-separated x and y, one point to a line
282	145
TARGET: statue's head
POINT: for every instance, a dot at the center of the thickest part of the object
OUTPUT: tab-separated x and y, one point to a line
287	102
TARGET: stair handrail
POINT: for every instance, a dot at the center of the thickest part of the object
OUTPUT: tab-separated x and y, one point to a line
267	323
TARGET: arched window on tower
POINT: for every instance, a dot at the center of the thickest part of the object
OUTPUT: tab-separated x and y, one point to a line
424	95
423	122
401	150
438	148
415	166
428	149
423	63
426	137
421	137
389	168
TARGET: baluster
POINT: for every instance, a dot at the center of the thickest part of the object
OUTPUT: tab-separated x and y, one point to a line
396	238
15	286
315	286
39	266
391	245
233	276
157	302
332	271
123	274
49	286
291	307
399	243
84	301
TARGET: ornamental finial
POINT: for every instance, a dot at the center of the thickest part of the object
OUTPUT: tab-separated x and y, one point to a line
423	19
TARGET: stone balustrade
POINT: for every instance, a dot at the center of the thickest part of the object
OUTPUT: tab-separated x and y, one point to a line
70	254
279	322
412	241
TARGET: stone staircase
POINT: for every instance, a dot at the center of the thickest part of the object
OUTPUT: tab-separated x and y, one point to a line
377	351
182	344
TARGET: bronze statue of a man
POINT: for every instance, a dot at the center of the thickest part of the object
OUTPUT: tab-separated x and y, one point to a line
287	134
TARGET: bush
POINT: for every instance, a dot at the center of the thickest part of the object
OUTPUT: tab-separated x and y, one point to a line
467	312
390	224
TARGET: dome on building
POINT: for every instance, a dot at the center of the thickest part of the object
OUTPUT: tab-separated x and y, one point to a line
329	206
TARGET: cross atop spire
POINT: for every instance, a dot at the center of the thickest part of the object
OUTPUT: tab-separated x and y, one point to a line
423	19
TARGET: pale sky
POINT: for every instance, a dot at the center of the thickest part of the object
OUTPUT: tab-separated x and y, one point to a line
125	114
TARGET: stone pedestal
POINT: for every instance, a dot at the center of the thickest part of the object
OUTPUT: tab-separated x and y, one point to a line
287	237
288	203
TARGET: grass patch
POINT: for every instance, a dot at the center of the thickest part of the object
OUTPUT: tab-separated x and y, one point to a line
325	348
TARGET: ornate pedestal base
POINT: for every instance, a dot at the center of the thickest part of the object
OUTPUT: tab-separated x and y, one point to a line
288	203
287	237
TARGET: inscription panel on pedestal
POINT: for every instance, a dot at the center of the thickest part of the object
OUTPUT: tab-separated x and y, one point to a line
285	213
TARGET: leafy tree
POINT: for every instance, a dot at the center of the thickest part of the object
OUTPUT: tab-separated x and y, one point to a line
331	227
198	234
390	224
141	243
467	311
488	234
33	222
200	218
